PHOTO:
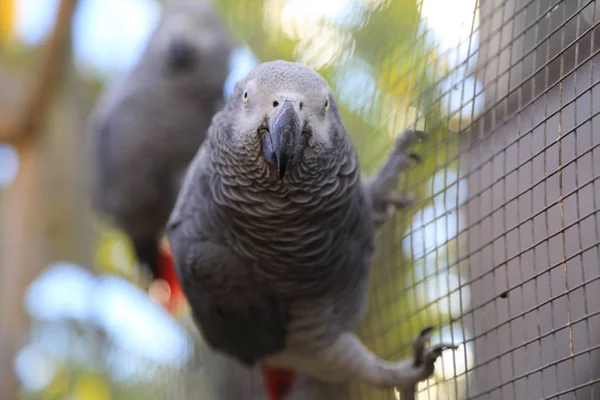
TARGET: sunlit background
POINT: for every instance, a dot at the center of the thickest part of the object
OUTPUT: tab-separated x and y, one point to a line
392	64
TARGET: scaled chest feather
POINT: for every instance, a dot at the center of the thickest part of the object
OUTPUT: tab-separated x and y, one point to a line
266	221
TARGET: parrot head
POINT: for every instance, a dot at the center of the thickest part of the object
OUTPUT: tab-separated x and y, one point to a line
289	108
191	43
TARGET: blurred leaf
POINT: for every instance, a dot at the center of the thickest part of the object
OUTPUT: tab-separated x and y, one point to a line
59	385
114	252
7	19
91	387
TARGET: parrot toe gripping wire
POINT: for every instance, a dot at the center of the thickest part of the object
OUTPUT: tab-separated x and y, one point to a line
382	183
424	356
427	356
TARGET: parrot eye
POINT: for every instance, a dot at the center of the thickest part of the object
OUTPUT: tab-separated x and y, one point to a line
245	96
326	105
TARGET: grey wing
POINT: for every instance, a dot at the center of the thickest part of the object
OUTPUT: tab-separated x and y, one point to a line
235	313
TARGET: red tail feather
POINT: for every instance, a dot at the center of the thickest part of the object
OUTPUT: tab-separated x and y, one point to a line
169	275
278	382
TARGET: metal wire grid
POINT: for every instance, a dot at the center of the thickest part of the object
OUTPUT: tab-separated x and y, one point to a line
529	247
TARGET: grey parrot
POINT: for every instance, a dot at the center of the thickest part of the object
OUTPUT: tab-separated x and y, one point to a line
146	128
274	228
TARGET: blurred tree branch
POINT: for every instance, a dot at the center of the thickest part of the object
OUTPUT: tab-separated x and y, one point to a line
24	238
23	116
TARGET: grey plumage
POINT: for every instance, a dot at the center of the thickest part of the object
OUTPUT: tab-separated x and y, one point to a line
273	231
147	127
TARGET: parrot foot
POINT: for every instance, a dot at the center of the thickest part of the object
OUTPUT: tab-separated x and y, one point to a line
385	200
425	357
347	358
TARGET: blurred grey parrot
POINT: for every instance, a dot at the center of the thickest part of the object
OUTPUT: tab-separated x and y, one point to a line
146	128
273	232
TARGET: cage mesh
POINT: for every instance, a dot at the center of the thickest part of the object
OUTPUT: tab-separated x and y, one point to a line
528	244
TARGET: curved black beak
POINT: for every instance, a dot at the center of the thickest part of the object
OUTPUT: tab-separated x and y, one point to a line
282	140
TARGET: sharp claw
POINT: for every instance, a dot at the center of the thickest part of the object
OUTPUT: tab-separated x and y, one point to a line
425	358
419	345
442	347
428	356
399	201
416	157
426	331
434	352
394	202
407	138
420	135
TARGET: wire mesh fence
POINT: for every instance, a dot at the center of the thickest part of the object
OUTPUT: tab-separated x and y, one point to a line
528	244
502	251
531	223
